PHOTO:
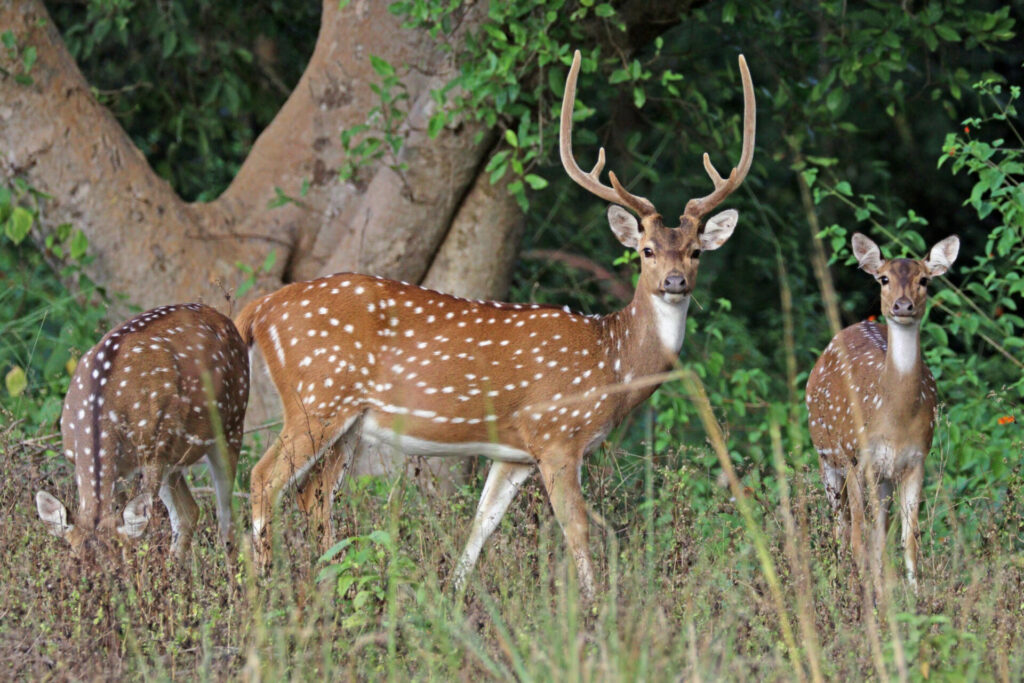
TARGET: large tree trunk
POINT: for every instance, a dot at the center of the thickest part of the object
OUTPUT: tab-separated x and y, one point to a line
438	221
155	247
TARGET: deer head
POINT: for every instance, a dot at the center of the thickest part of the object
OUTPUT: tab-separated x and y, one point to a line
904	282
669	256
131	525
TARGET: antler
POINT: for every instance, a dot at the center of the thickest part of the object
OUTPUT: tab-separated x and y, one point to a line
589	181
724	187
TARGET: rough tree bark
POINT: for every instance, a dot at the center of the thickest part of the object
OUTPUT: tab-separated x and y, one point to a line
439	222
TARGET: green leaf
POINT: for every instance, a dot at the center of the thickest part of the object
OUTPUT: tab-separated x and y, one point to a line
639	97
16	381
79	245
381	66
29	58
380	537
535	181
170	41
511	137
436	124
947	33
18	224
268	262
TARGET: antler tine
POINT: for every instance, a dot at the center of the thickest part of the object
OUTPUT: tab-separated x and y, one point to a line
595	172
726	186
590	181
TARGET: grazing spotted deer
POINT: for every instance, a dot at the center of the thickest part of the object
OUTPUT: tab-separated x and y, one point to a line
139	401
528	386
871	404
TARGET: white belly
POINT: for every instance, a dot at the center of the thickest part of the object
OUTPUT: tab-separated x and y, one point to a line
410	445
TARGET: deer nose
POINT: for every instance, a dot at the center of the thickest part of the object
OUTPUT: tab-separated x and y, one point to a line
903	306
675	283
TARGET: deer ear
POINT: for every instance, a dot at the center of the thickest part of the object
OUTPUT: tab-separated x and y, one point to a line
869	256
53	513
624	225
136	516
942	255
718	229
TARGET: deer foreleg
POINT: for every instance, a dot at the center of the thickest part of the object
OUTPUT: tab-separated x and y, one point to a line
316	495
910	499
562	480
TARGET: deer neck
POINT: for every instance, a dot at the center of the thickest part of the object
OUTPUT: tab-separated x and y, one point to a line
646	336
901	373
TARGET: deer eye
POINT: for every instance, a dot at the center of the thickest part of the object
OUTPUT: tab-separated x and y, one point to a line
648	252
695	254
884	280
924	282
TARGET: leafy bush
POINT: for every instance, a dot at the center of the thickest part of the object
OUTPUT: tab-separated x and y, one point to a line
44	327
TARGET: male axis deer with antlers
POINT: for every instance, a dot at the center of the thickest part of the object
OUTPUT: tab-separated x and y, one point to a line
155	394
528	386
871	404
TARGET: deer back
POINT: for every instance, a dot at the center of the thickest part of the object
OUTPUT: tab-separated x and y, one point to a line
139	396
442	369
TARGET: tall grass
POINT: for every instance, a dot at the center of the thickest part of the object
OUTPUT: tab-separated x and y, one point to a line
685	594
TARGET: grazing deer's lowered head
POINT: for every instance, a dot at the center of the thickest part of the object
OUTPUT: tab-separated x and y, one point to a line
871	403
155	394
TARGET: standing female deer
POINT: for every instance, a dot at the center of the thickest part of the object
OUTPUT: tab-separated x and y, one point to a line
528	386
871	404
153	395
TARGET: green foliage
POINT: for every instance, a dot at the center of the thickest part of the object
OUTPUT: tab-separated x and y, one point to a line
19	57
379	139
511	75
192	82
44	328
362	574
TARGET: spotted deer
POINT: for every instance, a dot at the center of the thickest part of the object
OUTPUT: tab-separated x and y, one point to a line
872	402
526	385
152	395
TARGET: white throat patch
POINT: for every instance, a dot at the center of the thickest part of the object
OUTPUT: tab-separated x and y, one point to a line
671	321
904	346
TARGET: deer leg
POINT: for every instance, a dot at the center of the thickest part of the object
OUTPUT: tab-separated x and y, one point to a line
222	472
316	496
879	492
910	499
182	510
834	479
855	499
561	477
287	461
503	482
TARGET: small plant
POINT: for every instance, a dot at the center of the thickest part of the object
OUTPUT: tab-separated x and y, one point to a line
368	565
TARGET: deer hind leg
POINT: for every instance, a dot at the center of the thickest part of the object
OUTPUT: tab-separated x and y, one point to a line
316	495
834	479
301	443
561	477
182	510
910	499
222	471
503	482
